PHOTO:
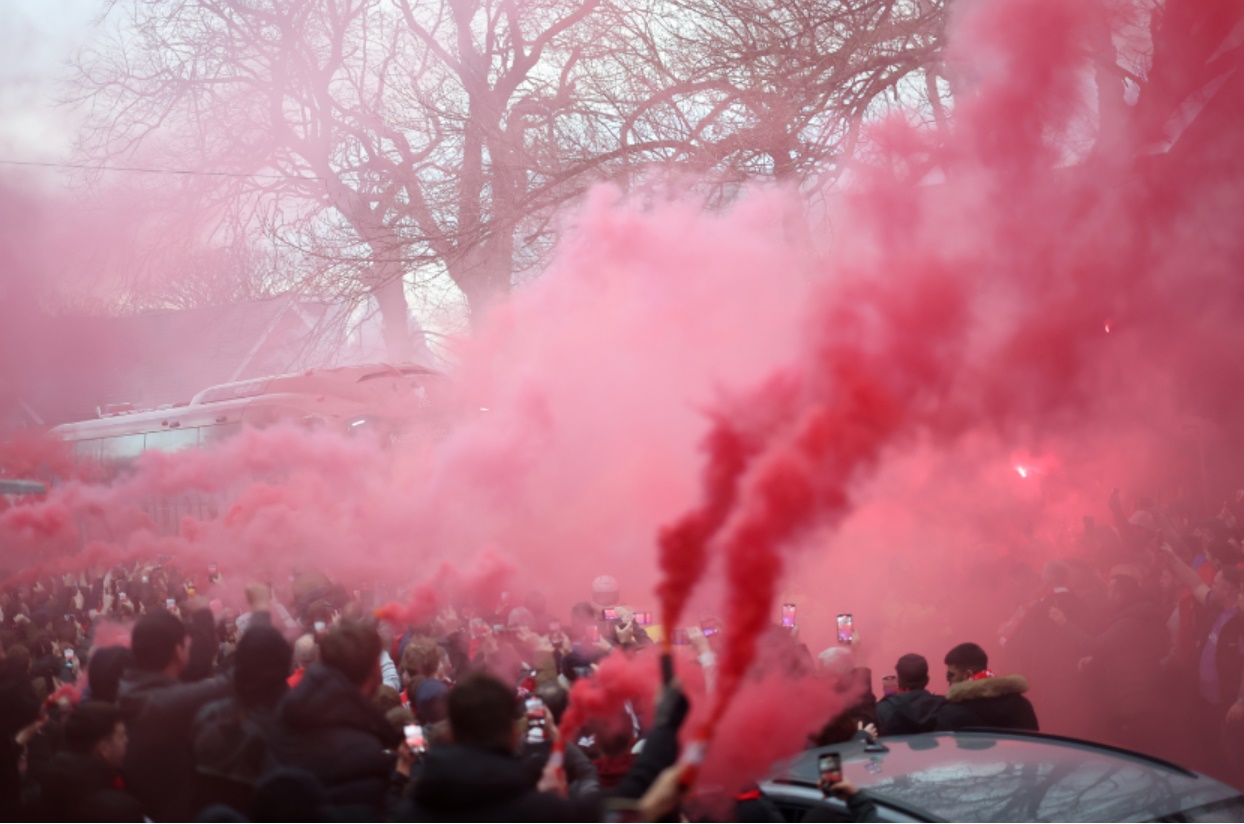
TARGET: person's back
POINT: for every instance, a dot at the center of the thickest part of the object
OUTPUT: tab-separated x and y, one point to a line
231	736
479	777
913	709
328	726
978	698
159	711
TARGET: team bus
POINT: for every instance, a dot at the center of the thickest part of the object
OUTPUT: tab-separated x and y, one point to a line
397	404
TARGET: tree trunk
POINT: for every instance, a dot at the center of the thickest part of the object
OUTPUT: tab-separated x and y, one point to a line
391	298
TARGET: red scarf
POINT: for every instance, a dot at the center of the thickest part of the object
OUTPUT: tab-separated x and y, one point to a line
982	675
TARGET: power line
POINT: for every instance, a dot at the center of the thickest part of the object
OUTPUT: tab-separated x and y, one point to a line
197	172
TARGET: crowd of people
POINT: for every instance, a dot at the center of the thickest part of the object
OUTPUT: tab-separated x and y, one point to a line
131	693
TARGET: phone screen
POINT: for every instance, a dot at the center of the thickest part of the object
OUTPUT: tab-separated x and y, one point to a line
170	603
708	626
320	626
846	628
611	614
788	615
414	738
889	685
68	655
830	766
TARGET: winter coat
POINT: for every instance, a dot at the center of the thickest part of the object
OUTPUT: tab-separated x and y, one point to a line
327	727
461	783
159	714
72	785
996	702
231	752
907	713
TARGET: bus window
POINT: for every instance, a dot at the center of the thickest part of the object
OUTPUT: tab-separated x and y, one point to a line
122	448
88	450
211	435
174	440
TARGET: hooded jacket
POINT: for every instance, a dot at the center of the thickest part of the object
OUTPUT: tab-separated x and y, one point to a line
996	702
907	713
327	727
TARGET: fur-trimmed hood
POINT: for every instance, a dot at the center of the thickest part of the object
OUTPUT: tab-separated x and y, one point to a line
994	687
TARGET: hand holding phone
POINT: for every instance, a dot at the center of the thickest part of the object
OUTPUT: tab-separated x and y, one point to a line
830	767
788	616
414	738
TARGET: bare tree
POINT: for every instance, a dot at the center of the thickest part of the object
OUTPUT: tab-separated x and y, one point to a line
382	138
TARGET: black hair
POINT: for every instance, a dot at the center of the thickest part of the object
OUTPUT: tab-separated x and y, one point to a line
90	723
155	640
482	712
912	671
968	656
555	697
352	648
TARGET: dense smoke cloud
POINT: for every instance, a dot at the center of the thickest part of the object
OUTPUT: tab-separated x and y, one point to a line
843	421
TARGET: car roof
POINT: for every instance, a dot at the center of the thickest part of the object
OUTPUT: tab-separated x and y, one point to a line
1008	776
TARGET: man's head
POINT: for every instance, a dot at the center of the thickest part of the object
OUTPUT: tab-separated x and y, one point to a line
159	643
353	649
96	729
483	713
19	658
555	697
1228	584
912	671
421	658
964	661
261	667
104	673
605	591
305	651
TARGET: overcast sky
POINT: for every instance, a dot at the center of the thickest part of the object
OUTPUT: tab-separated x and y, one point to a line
36	38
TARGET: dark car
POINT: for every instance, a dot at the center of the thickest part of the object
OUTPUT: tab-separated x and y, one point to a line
1002	776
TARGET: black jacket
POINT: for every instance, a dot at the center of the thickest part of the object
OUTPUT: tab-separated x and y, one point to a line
459	783
159	714
997	702
1126	671
72	785
907	713
328	728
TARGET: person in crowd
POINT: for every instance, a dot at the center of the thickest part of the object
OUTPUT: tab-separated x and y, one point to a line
159	699
479	776
328	726
231	735
1123	663
1220	665
104	672
19	718
581	776
854	686
305	653
978	698
84	778
424	663
913	709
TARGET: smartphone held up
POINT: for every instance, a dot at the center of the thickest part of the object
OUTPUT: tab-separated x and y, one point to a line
846	628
